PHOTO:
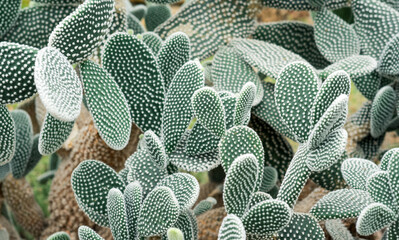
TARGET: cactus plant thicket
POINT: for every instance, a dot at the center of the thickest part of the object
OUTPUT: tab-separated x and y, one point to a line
128	112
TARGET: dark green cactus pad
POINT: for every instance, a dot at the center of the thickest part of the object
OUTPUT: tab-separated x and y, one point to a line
392	232
139	11
156	15
295	105
91	182
17	82
268	58
133	198
107	105
269	179
86	233
341	204
295	178
117	216
187	223
174	53
60	2
134	24
143	88
35	24
204	206
369	84
388	63
304	4
356	171
209	110
59	236
199	19
238	141
162	1
153	41
393	169
148	179
35	155
297	37
258	197
373	218
91	18
58	85
156	149
160	211
241	181
7	137
375	24
267	217
53	134
232	228
382	111
245	99
335	38
387	158
230	73
177	112
24	137
331	178
9	13
380	190
184	186
301	226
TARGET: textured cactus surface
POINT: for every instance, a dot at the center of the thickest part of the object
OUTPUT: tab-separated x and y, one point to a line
232	228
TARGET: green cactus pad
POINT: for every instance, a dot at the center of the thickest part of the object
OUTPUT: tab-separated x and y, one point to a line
338	230
117	216
375	24
303	4
35	155
195	163
241	181
331	178
92	18
139	11
380	190
9	14
301	226
382	111
86	233
91	182
199	19
177	48
53	134
295	178
24	142
4	171
295	36
232	228
59	236
295	105
156	15
160	211
258	197
356	171
134	24
148	179
370	147
184	186
341	204
17	81
156	149
107	105
268	58
230	73
373	218
386	159
244	103
335	38
388	63
7	136
393	169
142	87
209	110
162	1
58	85
267	217
175	234
35	24
392	232
153	41
204	206
269	179
187	223
133	198
177	112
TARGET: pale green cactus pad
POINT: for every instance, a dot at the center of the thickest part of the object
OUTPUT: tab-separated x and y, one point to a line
24	137
267	217
375	24
380	190
107	105
53	134
133	199
9	13
241	181
198	19
293	105
123	57
156	149
338	230
156	15
341	204
301	226
204	205
93	18
7	136
59	236
177	112
175	234
232	228
117	216
86	233
388	63
153	41
367	222
335	38
159	212
297	37
382	111
91	182
356	171
17	82
184	186
245	100
304	4
58	85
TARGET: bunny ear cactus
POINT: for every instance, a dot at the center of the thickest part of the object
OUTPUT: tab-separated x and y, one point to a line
305	4
86	233
117	216
388	63
301	226
133	199
59	236
244	102
382	111
153	41
7	137
156	15
9	13
156	149
232	228
175	234
204	205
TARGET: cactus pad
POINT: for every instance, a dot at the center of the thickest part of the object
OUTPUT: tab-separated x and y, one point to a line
156	15
380	190
117	216
301	226
7	136
156	149
388	63
153	41
133	198
86	233
59	236
244	103
373	218
382	111
304	4
356	171
232	228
